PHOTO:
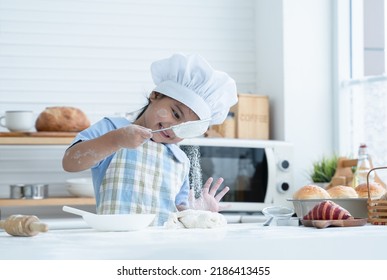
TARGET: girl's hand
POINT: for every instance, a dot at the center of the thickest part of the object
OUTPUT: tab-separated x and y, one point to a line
209	200
86	154
132	136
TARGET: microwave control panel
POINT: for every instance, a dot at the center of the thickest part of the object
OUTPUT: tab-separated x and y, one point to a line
284	161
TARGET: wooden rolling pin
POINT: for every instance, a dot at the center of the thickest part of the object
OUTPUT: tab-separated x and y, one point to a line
23	225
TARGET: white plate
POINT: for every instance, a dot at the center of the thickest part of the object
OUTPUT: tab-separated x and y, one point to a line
356	206
114	222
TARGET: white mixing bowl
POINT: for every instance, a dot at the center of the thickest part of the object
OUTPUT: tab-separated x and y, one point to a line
81	187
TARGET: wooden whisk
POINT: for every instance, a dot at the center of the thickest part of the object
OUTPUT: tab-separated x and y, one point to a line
23	225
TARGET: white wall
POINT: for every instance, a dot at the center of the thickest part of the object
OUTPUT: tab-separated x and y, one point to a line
294	66
96	54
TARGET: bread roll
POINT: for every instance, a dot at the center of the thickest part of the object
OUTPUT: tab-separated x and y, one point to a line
311	192
342	192
62	119
376	190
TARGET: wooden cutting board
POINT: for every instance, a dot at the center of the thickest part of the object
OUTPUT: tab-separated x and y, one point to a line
335	223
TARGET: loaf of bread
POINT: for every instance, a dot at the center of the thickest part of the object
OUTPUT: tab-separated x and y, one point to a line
328	210
376	190
62	119
342	192
311	192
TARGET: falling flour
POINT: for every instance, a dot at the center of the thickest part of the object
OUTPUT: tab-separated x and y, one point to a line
195	172
78	155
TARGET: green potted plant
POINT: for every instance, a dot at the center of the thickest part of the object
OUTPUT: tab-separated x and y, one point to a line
324	170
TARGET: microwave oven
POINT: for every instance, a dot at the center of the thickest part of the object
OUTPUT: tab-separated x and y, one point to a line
259	173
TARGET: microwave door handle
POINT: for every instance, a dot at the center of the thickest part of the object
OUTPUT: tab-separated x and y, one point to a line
271	185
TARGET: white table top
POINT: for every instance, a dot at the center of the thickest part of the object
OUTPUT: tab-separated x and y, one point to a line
234	242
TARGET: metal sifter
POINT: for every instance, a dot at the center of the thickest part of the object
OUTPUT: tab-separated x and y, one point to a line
189	129
277	213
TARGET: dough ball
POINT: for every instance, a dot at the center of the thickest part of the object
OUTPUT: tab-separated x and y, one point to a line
195	219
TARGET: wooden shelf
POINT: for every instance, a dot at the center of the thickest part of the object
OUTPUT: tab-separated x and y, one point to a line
52	201
36	138
35	141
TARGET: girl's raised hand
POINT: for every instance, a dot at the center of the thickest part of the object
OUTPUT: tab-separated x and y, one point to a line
209	200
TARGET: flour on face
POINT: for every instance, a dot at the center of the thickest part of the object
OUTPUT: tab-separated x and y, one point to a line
162	113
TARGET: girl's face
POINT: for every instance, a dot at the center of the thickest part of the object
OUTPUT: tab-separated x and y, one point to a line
163	112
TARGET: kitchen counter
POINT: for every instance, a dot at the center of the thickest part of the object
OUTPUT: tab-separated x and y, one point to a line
234	242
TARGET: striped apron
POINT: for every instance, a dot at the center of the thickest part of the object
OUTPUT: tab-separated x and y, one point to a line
142	180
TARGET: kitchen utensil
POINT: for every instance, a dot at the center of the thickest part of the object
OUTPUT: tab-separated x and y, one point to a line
277	213
23	225
29	191
17	191
268	221
36	191
336	223
115	222
189	129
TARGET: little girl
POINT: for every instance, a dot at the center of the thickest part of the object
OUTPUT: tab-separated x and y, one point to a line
137	171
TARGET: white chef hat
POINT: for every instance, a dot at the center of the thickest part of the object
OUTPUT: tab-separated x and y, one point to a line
192	81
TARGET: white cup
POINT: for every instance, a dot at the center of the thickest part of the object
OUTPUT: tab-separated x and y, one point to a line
17	120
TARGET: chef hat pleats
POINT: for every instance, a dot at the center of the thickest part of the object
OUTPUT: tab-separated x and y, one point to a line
192	81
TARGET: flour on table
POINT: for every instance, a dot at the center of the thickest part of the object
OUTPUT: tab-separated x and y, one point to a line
195	219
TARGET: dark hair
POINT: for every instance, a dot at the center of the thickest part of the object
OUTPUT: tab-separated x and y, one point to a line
143	109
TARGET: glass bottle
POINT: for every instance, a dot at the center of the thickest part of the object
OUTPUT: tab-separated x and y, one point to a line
363	167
